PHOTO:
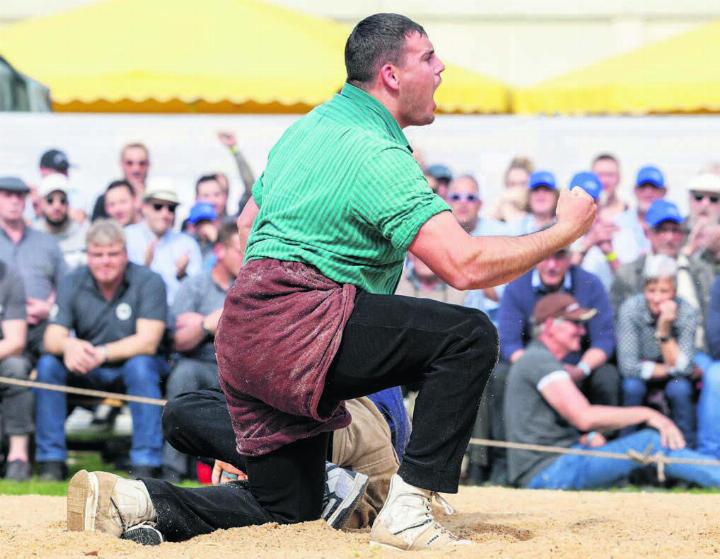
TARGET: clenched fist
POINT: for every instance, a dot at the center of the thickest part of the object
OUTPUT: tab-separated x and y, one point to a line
576	212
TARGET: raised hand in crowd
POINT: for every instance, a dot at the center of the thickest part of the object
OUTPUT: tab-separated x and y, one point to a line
227	139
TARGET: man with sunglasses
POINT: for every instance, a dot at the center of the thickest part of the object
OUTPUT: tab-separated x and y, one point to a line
55	219
704	216
153	243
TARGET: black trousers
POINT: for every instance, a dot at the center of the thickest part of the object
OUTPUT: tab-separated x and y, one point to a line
388	341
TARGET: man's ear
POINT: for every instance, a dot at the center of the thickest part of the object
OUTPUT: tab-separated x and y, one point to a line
388	75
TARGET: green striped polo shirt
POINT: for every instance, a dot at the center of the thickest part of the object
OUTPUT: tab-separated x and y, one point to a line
342	192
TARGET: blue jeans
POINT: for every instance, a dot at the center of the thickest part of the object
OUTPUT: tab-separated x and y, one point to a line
708	437
141	377
679	391
587	472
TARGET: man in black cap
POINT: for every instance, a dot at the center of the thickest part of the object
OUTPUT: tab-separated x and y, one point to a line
36	256
55	161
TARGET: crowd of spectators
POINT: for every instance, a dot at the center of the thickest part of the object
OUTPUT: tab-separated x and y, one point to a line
617	332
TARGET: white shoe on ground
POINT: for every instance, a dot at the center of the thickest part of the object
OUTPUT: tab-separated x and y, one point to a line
343	490
406	521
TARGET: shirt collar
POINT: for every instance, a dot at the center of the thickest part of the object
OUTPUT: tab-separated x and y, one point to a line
538	286
367	101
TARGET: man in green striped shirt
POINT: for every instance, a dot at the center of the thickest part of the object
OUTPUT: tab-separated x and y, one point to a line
311	320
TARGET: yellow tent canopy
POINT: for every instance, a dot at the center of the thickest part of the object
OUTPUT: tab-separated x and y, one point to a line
676	75
209	56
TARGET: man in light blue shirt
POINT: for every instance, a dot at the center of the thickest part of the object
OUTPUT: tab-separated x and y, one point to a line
154	244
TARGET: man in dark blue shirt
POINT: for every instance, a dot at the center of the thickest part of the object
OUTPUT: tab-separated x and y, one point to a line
117	311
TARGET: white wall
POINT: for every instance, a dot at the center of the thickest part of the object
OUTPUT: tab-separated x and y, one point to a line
184	147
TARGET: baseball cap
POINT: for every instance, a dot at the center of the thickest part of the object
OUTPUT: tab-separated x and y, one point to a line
439	172
650	175
56	160
13	184
202	211
560	305
706	182
542	178
52	183
589	182
161	189
662	210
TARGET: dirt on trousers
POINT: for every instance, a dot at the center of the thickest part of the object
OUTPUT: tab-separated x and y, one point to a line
502	523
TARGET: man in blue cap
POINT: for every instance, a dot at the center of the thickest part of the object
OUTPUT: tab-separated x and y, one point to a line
667	234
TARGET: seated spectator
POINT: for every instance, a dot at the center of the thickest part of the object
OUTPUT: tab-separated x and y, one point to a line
464	198
607	169
418	280
202	225
587	366
208	189
667	234
134	164
36	256
196	312
630	240
438	177
153	243
16	404
542	200
512	204
117	311
55	220
656	344
55	162
120	203
544	406
704	216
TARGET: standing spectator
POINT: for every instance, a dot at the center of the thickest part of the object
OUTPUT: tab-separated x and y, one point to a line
135	165
117	311
208	189
55	220
512	204
607	169
196	312
542	201
153	243
16	401
55	162
631	239
656	344
120	203
545	407
667	234
247	177
35	255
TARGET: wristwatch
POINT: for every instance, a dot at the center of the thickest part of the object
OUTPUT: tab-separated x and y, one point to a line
662	339
207	333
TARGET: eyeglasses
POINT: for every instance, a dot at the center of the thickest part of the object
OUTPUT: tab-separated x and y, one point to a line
135	163
60	199
458	196
169	207
699	197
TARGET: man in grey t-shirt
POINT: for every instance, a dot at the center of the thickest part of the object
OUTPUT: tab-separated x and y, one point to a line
544	406
196	312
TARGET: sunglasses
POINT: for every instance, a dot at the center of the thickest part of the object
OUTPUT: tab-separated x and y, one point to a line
699	197
169	207
133	163
60	199
458	196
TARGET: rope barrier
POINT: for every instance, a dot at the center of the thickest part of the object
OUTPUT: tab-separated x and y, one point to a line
83	391
645	458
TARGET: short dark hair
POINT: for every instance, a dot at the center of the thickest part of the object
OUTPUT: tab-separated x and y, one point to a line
605	157
227	231
206	178
377	39
122	183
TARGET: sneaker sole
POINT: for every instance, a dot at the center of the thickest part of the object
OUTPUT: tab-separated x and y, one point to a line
82	501
340	517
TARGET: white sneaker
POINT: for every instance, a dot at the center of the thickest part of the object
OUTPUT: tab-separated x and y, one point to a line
406	521
98	501
343	491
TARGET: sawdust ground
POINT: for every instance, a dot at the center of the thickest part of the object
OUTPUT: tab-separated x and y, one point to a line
503	523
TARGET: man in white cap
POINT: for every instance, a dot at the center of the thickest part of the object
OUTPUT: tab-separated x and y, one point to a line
153	243
55	219
704	217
